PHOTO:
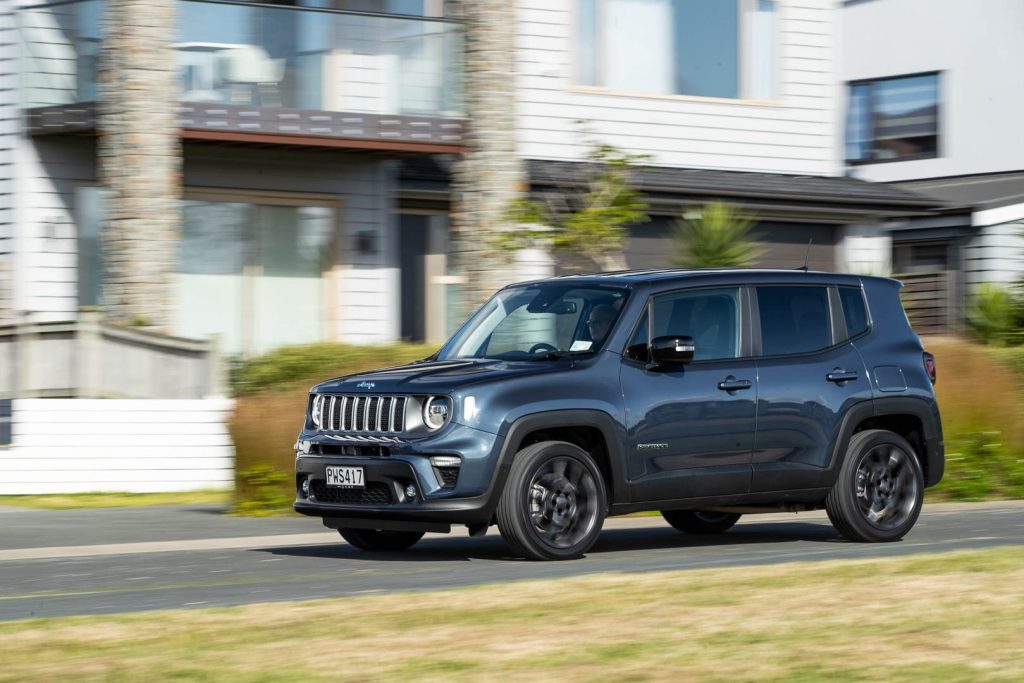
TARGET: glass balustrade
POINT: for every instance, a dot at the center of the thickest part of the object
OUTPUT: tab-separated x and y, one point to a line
265	57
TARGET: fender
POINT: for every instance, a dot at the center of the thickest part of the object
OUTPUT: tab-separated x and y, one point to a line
925	411
554	419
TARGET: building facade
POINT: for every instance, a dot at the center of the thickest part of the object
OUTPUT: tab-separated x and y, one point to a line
938	114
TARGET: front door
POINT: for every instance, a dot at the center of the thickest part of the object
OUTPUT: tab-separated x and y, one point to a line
691	429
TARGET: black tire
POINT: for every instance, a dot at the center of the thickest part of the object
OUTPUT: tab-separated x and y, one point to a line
554	502
375	540
880	488
699	522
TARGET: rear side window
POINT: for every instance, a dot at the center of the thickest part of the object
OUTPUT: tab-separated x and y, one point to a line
853	310
794	319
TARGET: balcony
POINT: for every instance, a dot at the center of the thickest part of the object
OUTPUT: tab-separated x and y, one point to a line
277	75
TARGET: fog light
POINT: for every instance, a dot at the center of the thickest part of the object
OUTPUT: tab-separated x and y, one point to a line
446	461
305	487
410	492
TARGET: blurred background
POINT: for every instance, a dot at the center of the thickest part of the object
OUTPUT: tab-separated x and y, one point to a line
206	207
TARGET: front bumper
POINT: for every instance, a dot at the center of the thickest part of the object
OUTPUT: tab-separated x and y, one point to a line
471	501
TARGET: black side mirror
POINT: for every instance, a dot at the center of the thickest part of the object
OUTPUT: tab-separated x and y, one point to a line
668	351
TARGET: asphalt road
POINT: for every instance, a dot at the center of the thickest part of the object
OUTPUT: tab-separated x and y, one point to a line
122	560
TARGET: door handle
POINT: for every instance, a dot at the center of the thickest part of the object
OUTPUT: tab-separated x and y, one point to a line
732	384
839	376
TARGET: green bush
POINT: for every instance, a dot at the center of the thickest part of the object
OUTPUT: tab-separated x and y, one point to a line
316	362
995	314
980	466
263	490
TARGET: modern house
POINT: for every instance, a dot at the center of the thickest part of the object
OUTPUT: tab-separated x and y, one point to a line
288	172
939	115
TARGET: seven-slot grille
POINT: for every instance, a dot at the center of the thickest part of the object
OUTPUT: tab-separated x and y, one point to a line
360	413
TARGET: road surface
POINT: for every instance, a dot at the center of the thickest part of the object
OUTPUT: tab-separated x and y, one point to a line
55	563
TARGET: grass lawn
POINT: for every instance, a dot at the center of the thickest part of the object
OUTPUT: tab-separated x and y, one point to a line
955	616
72	501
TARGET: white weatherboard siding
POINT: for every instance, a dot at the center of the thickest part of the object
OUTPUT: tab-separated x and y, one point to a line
996	254
976	47
793	134
865	249
10	131
137	446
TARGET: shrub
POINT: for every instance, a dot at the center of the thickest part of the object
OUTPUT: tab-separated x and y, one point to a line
720	238
979	466
315	362
994	314
270	407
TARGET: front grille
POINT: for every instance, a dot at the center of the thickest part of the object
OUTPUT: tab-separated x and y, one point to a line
360	451
360	413
375	493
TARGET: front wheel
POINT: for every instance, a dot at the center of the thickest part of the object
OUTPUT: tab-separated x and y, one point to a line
554	502
375	540
700	522
880	488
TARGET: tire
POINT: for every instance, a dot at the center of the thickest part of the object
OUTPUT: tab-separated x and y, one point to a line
699	522
377	541
554	502
880	489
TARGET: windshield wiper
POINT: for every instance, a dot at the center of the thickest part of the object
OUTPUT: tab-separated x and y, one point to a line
556	355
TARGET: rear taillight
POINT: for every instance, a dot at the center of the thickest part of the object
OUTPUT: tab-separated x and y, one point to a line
929	366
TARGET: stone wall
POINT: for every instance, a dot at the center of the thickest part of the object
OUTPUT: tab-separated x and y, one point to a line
139	159
490	174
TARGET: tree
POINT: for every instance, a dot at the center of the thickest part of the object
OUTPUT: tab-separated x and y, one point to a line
720	238
589	219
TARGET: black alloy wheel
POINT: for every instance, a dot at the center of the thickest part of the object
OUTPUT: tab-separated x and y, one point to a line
880	488
554	502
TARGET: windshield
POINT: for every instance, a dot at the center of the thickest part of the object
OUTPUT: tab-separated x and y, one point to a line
538	321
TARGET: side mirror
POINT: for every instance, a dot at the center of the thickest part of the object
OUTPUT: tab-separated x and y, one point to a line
668	351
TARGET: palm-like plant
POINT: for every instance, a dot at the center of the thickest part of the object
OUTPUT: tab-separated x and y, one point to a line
993	314
720	238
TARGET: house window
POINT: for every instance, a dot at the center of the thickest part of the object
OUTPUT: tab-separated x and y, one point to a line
706	48
893	119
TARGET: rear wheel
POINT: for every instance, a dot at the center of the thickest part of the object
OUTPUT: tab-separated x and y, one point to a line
700	522
554	502
377	540
880	488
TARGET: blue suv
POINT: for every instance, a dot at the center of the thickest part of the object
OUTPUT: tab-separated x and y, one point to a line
704	395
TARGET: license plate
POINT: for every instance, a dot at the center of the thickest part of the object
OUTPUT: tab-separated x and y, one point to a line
345	477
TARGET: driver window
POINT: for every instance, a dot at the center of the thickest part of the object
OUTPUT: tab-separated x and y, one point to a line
710	316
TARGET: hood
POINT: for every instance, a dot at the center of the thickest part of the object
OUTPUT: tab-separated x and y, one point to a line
438	377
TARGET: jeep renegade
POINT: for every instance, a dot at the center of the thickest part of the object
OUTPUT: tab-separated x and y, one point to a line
704	395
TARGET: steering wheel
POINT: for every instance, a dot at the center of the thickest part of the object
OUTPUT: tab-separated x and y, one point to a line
542	346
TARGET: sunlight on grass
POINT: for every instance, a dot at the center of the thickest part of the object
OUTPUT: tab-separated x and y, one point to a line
74	501
928	617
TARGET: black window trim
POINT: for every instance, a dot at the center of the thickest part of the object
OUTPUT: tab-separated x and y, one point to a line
867	311
938	118
832	318
746	350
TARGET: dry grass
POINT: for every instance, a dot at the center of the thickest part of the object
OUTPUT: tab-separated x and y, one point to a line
976	391
955	616
74	501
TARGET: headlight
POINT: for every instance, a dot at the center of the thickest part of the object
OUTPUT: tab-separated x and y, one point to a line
317	410
436	412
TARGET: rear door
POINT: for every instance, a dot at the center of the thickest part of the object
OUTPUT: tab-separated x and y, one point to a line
809	375
691	429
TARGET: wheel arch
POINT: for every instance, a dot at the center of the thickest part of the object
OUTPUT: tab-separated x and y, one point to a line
914	419
592	430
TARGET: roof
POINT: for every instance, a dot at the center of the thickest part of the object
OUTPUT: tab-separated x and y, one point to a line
842	198
704	183
984	191
632	278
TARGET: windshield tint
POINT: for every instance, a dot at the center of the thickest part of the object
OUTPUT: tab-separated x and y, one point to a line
538	321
